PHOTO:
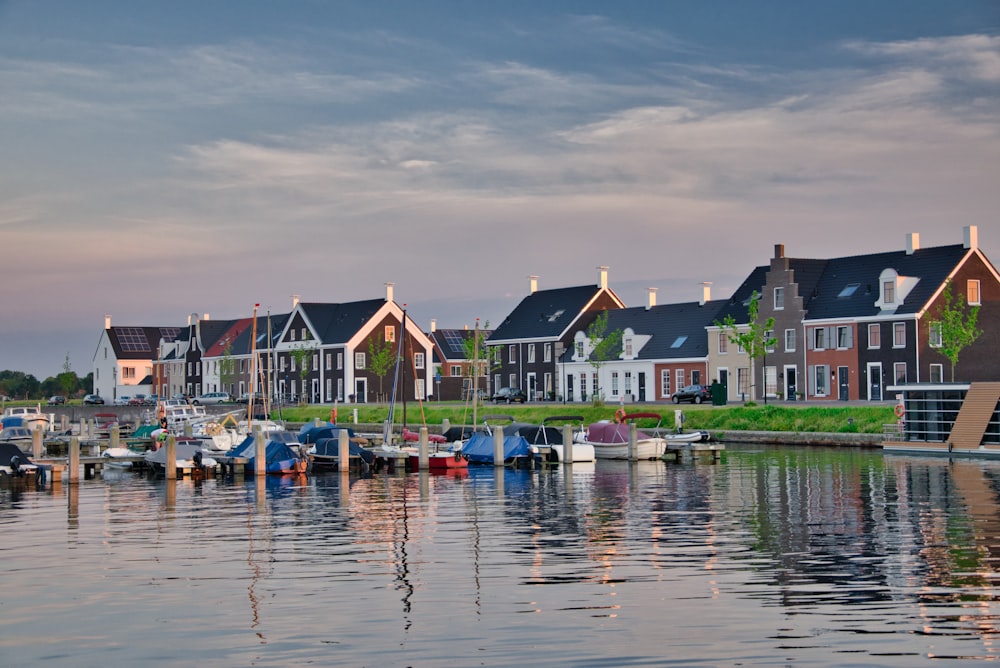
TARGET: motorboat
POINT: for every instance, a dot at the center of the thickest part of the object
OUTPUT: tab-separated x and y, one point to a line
611	439
14	463
282	453
546	440
188	456
19	436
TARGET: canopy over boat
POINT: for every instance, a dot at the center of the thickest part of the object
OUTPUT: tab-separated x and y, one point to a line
278	454
479	448
329	448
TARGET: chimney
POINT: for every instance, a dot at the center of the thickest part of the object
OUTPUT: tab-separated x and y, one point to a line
779	251
434	325
652	298
388	291
706	287
107	322
532	284
603	283
192	318
295	301
970	234
912	242
206	317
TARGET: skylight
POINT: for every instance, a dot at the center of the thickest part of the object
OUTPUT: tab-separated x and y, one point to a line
679	341
849	289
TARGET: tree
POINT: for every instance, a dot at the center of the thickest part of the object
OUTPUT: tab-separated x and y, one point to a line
302	354
956	325
751	338
381	357
227	368
604	346
474	349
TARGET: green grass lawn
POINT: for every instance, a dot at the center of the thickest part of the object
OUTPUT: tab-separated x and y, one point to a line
867	419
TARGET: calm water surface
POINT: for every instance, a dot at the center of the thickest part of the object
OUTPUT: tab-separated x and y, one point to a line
775	556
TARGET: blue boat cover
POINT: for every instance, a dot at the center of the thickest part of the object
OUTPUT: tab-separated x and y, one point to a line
479	448
277	454
12	421
330	447
310	433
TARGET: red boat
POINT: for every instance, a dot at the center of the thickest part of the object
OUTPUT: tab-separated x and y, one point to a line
440	461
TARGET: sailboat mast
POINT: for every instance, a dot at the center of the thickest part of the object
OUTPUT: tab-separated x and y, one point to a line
475	373
253	368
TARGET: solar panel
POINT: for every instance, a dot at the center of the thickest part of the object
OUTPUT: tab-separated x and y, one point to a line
133	339
169	333
454	340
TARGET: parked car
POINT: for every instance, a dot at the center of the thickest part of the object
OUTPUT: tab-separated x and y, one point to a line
137	400
57	400
508	395
212	398
180	396
245	398
151	400
693	393
93	400
121	400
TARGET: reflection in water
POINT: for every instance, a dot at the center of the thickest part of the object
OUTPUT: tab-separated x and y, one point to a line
787	556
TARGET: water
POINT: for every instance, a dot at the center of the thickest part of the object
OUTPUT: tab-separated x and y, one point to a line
775	556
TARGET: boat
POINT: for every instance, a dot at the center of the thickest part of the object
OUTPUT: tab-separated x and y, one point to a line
478	449
19	436
14	463
949	419
441	460
29	417
282	453
187	456
324	445
546	440
119	458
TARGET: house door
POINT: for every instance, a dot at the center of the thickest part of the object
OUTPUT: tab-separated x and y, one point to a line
569	387
791	383
874	381
532	387
360	390
843	382
642	386
724	380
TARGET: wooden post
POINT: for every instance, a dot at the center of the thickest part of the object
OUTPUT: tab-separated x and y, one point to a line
497	446
63	423
422	449
260	453
567	444
170	466
36	442
116	434
343	451
74	460
632	437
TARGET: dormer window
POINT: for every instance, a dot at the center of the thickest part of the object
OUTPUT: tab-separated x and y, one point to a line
628	347
889	292
579	350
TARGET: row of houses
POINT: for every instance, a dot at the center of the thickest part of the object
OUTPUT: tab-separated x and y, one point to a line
844	329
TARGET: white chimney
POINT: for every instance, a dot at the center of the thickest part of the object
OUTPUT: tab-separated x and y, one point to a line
206	317
706	293
388	291
295	301
107	322
532	284
192	318
652	298
912	242
603	277
970	234
434	325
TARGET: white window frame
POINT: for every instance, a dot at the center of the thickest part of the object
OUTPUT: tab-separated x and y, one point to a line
874	334
790	341
665	383
547	354
899	335
723	343
359	360
389	333
779	299
531	353
896	367
973	296
512	353
418	360
614	383
934	336
936	373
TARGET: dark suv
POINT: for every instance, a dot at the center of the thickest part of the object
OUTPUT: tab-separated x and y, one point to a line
693	393
508	395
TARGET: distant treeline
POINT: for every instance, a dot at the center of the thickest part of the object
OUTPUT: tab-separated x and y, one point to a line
19	385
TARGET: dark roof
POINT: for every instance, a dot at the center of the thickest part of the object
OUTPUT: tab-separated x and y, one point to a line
677	331
545	314
243	332
209	331
736	306
140	343
931	266
451	341
337	323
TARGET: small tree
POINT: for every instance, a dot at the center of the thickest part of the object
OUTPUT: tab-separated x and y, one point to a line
604	346
957	325
302	354
751	338
474	349
227	367
381	357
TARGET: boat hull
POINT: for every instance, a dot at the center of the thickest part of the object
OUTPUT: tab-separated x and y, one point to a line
441	461
646	448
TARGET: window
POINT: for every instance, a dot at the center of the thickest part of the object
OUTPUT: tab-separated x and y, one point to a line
679	378
418	360
496	382
329	365
937	373
389	332
664	383
456	370
821	380
628	383
315	361
512	380
935	339
779	299
548	384
679	341
291	364
340	360
359	360
743	380
593	385
291	335
819	338
614	383
771	381
889	292
899	372
305	337
531	353
723	342
899	335
696	377
628	346
282	365
874	336
972	292
579	350
548	352
849	290
845	338
769	340
419	389
789	340
128	372
512	354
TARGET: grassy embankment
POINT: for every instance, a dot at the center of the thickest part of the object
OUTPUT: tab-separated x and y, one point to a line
800	418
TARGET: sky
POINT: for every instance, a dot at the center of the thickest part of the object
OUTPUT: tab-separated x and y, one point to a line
159	159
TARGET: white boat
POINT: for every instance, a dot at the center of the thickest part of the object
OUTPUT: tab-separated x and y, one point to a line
118	458
611	439
188	455
30	417
19	436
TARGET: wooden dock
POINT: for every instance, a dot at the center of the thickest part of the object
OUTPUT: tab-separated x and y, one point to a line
689	451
